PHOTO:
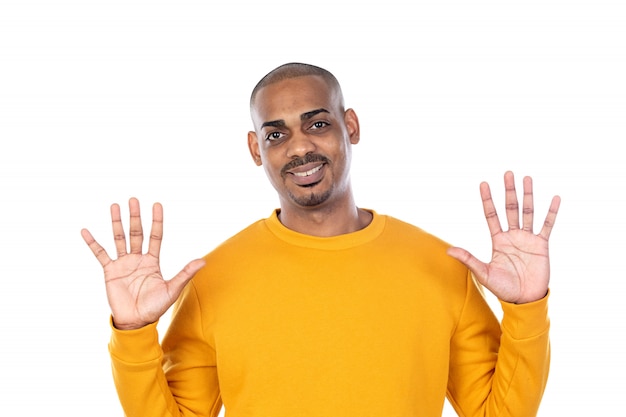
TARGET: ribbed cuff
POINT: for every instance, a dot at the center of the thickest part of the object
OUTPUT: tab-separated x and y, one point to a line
135	346
523	321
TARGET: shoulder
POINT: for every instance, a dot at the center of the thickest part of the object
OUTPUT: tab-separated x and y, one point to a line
423	257
234	252
421	247
399	229
250	237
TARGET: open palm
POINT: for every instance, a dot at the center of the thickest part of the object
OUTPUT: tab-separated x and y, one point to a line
519	271
137	293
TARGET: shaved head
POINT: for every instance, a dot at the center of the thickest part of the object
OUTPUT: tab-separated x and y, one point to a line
293	70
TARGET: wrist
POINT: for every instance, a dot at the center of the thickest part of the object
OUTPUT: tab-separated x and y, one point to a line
127	326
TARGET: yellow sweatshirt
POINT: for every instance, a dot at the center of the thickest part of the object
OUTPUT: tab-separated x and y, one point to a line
380	322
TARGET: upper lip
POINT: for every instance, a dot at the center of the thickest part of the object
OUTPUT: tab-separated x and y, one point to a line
304	164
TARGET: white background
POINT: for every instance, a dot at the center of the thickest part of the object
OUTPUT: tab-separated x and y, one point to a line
104	100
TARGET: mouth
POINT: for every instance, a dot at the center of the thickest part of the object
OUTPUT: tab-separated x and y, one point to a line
307	175
309	172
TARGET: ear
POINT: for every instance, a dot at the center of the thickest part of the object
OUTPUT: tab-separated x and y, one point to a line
352	124
253	146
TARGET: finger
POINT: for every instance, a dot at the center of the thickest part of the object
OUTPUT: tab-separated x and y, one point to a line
490	210
156	233
118	231
101	254
478	268
136	230
548	224
528	209
176	284
510	201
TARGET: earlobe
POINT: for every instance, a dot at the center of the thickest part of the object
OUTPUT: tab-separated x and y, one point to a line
253	146
352	124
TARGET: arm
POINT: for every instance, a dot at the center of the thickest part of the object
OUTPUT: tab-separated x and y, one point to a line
499	370
177	379
138	296
507	378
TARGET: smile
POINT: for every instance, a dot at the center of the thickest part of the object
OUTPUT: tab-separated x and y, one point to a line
309	172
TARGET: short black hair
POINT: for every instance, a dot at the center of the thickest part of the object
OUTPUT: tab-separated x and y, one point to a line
293	70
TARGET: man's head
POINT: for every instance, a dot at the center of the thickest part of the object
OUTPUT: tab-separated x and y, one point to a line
293	70
302	136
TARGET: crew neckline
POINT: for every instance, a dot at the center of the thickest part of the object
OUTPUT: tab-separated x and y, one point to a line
344	241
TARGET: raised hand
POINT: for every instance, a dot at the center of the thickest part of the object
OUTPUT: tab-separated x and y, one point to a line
136	291
519	271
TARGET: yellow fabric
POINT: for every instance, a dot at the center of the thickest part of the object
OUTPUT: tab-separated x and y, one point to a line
380	322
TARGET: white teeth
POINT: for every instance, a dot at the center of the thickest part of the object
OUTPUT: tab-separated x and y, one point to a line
309	172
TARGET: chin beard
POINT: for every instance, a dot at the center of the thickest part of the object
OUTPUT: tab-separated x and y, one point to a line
311	200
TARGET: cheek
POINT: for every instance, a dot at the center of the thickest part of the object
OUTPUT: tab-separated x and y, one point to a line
344	154
272	171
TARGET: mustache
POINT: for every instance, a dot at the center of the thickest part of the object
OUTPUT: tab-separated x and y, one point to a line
306	159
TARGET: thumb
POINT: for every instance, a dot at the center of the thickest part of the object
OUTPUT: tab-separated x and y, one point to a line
176	284
478	268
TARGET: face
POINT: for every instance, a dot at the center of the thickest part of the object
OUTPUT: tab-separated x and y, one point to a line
303	139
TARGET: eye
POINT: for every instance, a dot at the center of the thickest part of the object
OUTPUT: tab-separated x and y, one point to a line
319	125
273	136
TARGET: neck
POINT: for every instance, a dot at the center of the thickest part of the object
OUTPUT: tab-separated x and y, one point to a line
324	222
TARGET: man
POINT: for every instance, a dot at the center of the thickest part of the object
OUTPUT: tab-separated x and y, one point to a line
325	308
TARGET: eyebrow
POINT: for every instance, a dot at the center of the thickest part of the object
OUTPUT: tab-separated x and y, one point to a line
303	116
309	114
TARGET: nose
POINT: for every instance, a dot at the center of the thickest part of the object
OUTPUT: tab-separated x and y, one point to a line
299	145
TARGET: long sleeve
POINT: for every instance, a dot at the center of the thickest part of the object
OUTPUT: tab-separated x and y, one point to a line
178	379
376	322
499	372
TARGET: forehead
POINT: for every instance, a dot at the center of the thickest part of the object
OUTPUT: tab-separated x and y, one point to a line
292	97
